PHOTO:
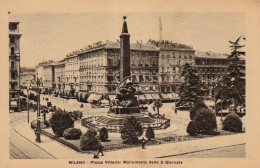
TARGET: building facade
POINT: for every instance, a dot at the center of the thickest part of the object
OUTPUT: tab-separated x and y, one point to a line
100	67
59	80
211	67
45	72
172	58
27	75
14	66
71	74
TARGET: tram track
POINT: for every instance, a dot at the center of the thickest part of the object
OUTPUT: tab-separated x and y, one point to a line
14	151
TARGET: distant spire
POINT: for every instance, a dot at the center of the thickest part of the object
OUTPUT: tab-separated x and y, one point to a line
160	29
124	30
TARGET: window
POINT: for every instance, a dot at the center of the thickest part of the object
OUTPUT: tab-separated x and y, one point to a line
154	78
12	50
12	26
147	78
12	64
162	78
13	75
13	95
12	86
12	40
110	62
141	79
162	69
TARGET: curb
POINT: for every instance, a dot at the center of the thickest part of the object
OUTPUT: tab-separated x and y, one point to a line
179	154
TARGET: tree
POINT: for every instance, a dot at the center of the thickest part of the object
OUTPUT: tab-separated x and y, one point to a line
89	140
197	106
205	120
132	129
190	90
103	134
149	133
60	121
231	89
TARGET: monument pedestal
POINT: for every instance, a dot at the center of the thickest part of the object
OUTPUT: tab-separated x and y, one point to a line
125	110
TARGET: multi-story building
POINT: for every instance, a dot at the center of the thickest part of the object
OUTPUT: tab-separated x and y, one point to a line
26	76
48	76
72	74
211	67
172	58
46	73
100	73
14	66
59	81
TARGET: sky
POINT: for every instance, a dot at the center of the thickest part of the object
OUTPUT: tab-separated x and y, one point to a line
48	36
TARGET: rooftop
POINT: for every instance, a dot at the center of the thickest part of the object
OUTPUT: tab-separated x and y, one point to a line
169	45
210	55
113	45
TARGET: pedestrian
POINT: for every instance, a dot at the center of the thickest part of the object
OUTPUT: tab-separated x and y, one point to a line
175	111
143	143
100	149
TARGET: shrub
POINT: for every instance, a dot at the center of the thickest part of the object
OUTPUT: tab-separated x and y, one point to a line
75	115
205	120
149	133
132	129
89	140
196	107
60	121
72	133
232	123
103	134
192	128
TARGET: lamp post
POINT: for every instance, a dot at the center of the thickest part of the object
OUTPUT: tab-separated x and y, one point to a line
28	85
39	85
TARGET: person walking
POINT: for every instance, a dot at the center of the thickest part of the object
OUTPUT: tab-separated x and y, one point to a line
100	149
143	143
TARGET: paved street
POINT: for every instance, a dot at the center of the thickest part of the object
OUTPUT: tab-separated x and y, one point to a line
22	140
19	146
236	151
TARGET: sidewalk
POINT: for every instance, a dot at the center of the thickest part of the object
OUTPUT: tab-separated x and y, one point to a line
156	151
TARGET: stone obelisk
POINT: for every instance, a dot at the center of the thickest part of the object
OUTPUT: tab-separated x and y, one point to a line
124	52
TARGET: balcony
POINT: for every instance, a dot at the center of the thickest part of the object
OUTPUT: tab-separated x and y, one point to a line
210	66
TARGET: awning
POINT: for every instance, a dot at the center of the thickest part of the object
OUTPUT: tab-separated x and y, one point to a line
170	95
148	96
91	97
175	95
84	95
156	96
165	96
141	97
111	97
97	97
